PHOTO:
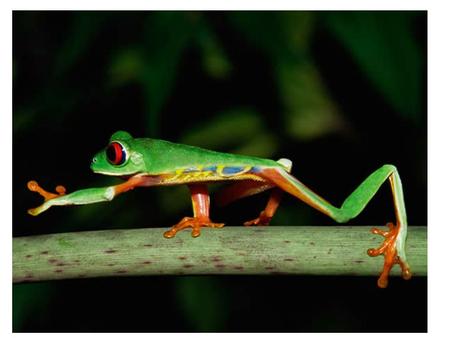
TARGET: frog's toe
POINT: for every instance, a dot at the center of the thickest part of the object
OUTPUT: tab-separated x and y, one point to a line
34	186
192	222
61	190
391	257
262	219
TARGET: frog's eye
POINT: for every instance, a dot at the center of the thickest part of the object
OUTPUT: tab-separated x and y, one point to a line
116	153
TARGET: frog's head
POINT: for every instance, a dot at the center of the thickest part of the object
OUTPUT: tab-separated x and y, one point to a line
119	158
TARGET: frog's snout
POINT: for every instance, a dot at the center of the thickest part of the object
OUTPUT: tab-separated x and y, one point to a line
93	162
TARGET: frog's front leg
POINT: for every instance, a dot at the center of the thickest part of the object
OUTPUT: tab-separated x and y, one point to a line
200	206
84	196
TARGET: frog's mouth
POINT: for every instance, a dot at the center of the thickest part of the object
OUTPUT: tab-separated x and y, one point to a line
122	176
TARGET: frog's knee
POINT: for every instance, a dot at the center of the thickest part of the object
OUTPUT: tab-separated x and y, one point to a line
389	167
286	163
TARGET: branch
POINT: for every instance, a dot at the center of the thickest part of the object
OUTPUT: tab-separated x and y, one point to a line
337	250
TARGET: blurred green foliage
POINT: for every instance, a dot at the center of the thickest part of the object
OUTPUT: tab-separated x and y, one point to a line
387	52
246	82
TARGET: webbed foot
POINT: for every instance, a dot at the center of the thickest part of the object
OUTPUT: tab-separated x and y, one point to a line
390	251
262	219
193	222
34	186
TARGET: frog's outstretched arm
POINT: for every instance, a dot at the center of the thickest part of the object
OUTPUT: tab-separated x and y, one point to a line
84	196
393	246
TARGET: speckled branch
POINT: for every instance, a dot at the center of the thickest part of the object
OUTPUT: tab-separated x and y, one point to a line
339	250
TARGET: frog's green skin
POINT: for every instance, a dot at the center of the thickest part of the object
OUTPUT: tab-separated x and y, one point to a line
151	162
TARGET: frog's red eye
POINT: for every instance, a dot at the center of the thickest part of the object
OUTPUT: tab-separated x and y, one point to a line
116	154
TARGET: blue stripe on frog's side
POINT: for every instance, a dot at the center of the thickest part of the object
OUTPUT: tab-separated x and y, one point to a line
222	170
255	170
210	168
232	170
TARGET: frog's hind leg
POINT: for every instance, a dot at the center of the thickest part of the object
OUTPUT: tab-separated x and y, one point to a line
241	189
393	247
248	188
266	215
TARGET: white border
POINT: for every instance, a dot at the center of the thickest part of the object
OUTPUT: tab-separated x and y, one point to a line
439	124
6	172
438	170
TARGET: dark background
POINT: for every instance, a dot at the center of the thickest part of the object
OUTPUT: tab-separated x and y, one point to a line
339	93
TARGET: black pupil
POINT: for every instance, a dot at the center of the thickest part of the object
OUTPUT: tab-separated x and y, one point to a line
111	153
114	156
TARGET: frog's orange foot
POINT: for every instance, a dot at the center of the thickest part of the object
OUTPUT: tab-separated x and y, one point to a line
34	186
389	250
262	219
192	222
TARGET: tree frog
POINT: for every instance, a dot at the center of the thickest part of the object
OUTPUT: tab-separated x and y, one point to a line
145	162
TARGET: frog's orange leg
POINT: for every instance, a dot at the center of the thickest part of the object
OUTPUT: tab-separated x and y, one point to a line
241	189
249	188
200	206
266	215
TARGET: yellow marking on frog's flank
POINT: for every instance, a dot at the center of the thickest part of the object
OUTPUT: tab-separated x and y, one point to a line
219	169
211	173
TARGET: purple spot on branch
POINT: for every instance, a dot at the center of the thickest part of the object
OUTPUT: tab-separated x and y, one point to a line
29	256
146	262
121	271
59	270
148	245
52	260
220	266
269	268
216	259
239	267
286	241
187	266
182	258
288	259
44	253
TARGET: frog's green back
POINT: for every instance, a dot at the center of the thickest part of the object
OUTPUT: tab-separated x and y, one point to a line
162	157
